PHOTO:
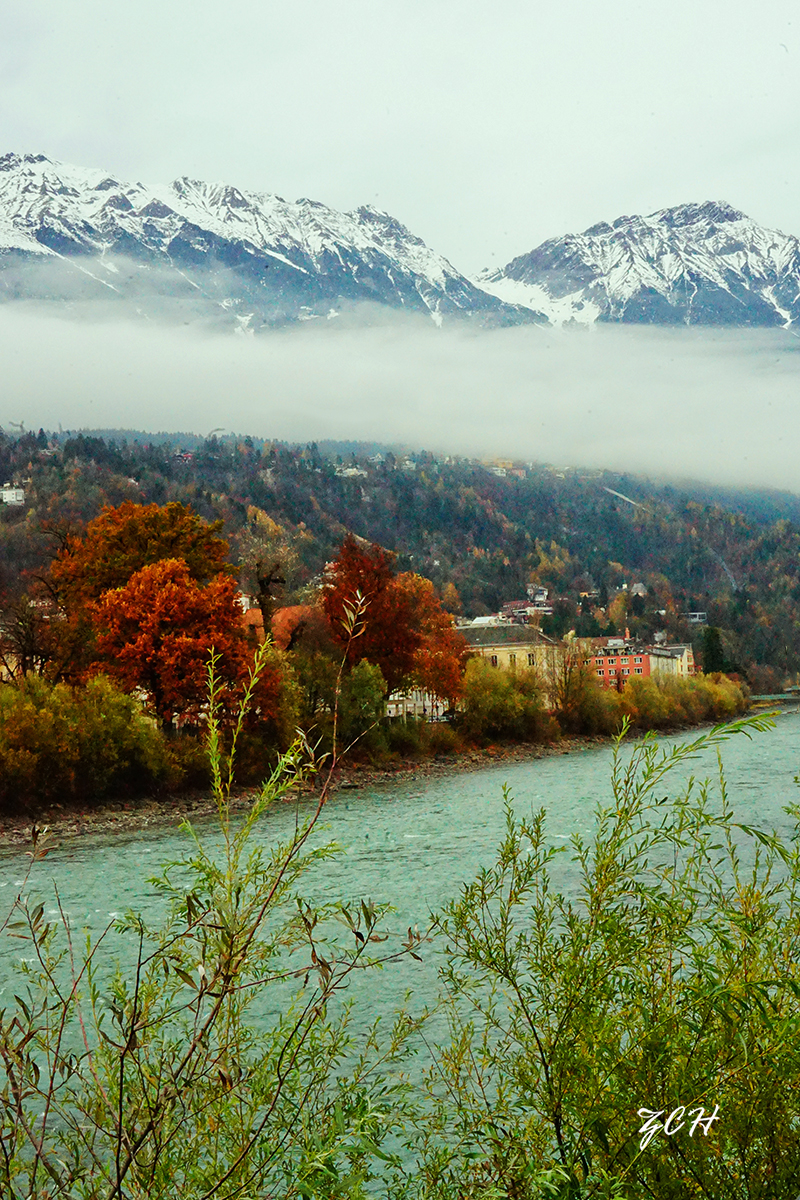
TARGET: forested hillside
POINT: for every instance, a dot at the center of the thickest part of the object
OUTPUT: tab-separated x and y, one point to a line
479	536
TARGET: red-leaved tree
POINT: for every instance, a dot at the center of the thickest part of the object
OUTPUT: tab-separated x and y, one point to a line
156	633
404	629
388	634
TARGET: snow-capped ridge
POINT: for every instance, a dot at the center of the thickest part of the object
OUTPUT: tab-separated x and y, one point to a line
194	250
256	253
697	263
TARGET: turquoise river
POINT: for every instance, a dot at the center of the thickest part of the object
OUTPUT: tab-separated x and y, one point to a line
410	844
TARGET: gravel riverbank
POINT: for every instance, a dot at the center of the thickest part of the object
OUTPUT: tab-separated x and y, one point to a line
170	810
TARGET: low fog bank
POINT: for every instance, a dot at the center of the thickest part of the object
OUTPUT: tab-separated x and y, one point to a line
720	406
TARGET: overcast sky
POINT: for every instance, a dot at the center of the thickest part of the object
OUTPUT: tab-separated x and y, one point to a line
484	127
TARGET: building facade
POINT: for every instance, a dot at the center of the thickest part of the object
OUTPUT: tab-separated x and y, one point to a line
515	647
616	660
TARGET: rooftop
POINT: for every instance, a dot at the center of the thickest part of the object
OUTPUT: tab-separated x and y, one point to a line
504	635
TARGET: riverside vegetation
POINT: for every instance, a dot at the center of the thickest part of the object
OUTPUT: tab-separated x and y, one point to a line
71	746
104	694
651	965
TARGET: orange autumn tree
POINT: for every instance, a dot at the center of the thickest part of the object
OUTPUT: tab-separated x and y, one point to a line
146	592
156	633
442	652
122	540
106	554
303	624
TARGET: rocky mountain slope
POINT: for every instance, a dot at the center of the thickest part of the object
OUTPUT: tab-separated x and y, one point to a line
697	264
192	251
203	252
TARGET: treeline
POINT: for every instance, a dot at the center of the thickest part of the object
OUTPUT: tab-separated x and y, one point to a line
81	745
135	633
480	538
501	704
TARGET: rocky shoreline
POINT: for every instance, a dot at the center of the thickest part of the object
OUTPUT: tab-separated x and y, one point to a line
168	811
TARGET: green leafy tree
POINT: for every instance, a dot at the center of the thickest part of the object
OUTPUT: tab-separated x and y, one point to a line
67	745
362	702
713	654
502	704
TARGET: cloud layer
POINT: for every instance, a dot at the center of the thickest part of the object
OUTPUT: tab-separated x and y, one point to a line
721	406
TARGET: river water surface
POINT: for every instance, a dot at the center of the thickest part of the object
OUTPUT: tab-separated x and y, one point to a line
409	844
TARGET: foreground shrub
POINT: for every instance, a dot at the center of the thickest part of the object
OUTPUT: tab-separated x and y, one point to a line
656	973
69	745
650	969
213	1067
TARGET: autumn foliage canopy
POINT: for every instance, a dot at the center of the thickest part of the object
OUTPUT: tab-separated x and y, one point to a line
157	630
441	654
149	590
146	592
404	629
122	540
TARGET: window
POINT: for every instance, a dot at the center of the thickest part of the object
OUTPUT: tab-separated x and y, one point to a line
638	660
638	670
531	660
624	660
626	670
601	672
493	659
512	658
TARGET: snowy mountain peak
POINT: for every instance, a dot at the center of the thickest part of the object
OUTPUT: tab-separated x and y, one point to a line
694	264
192	249
712	211
11	161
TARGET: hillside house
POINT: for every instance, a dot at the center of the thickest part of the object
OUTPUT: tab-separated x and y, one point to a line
538	597
519	612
